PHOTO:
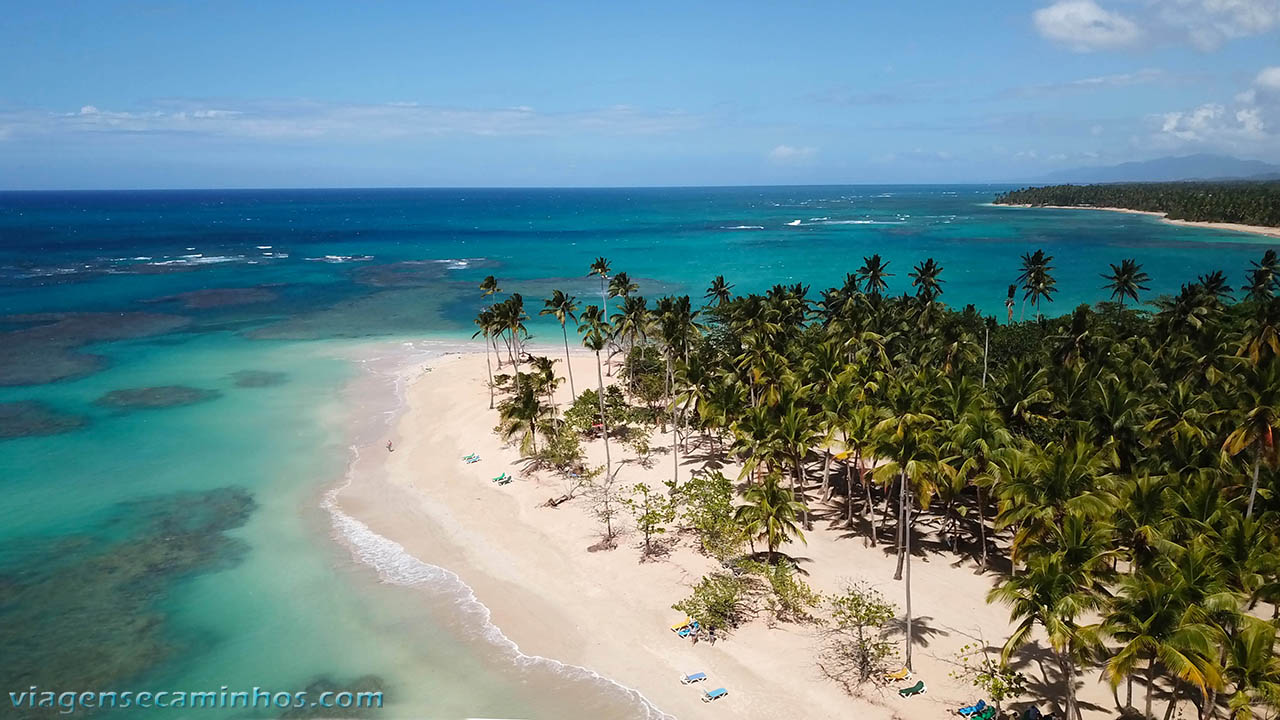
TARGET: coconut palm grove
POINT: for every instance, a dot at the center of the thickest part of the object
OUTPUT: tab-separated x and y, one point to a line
1113	468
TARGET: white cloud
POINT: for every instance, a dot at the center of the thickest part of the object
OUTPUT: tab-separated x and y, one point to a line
1268	79
792	155
1084	26
1249	126
1209	23
281	120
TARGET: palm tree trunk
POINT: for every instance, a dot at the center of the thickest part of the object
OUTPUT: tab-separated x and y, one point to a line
826	474
902	528
982	527
869	508
1151	683
797	486
568	365
1069	685
1253	489
907	545
888	493
848	496
604	423
489	369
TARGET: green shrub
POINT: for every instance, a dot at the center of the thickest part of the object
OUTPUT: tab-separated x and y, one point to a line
718	601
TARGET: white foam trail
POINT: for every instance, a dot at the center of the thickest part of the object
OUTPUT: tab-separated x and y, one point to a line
741	227
794	223
395	565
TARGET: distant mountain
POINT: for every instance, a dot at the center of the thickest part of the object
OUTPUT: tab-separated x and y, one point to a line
1188	167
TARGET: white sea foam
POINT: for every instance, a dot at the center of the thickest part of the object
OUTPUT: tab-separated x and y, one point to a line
341	258
264	247
199	259
741	227
395	565
795	223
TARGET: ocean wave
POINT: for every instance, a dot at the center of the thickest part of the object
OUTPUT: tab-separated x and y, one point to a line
741	227
198	259
341	258
795	223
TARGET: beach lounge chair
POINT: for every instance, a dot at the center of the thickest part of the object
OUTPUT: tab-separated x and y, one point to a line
500	478
472	455
917	689
694	678
898	675
987	713
506	480
688	630
473	459
714	694
973	709
682	624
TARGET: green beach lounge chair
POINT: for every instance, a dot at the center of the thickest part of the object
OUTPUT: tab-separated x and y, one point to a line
500	478
714	695
917	689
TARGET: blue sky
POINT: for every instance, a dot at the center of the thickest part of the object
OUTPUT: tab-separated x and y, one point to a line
307	94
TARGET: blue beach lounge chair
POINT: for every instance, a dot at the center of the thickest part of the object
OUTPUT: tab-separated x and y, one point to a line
694	678
714	695
473	459
688	630
973	709
917	689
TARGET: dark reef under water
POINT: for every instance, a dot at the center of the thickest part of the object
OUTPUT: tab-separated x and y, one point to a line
85	610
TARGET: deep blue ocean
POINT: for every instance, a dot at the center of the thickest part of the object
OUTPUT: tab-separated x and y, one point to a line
171	366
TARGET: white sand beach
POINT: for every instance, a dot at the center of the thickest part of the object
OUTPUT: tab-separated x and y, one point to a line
1235	227
606	610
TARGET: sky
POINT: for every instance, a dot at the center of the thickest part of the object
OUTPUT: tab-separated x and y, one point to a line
157	94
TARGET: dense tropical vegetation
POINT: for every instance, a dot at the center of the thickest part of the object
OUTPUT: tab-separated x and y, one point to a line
1247	203
1114	468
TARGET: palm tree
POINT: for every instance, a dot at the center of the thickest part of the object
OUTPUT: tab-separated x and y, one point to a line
1008	302
544	377
1256	428
1125	280
1215	285
563	307
979	438
1036	278
1263	276
594	340
924	278
1154	621
873	273
797	432
600	267
488	290
719	292
521	415
1252	668
1053	594
770	514
487	322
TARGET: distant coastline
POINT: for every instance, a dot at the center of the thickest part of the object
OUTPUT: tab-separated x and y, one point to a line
1272	232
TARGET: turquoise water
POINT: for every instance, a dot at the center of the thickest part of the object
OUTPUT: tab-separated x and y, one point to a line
175	535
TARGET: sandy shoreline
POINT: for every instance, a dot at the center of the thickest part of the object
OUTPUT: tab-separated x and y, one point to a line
607	611
1234	227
